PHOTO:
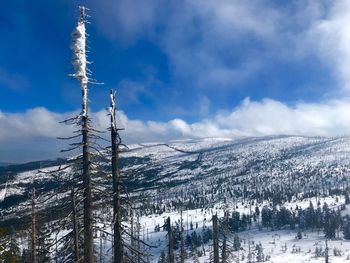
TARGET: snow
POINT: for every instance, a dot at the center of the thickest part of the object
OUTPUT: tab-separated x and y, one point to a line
79	51
281	245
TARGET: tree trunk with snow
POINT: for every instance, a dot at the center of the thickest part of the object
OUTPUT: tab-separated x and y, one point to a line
79	62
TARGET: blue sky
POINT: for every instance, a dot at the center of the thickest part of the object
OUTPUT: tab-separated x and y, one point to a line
197	68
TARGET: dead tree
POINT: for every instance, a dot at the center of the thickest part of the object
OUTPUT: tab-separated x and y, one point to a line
326	253
79	62
224	255
216	238
138	237
34	230
182	242
116	141
171	256
132	232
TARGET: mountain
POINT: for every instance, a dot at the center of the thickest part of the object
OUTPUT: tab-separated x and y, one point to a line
5	164
197	166
202	174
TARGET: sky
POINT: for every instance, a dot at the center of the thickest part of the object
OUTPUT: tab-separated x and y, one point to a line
181	69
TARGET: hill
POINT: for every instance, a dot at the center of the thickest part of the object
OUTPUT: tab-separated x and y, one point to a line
201	177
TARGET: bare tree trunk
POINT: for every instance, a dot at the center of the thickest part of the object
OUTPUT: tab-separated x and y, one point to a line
118	244
250	256
224	249
75	228
34	234
170	242
132	228
138	230
216	238
182	243
101	257
88	237
326	255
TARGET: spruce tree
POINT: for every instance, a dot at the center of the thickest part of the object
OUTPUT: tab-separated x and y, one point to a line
259	253
236	243
346	227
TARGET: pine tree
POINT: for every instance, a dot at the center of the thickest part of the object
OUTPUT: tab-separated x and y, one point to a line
330	224
346	227
9	249
347	198
163	258
44	242
299	235
266	216
259	253
310	216
236	243
318	218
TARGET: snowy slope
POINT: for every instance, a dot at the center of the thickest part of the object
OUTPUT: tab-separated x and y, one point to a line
221	174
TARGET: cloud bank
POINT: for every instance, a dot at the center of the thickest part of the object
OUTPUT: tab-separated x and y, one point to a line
36	129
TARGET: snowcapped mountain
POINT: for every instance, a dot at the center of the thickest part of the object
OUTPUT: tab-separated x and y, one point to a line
213	169
203	175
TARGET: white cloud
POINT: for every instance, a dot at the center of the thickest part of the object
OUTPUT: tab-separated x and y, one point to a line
331	35
36	129
37	122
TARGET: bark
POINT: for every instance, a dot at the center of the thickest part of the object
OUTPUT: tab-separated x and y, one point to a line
34	233
224	249
88	237
132	228
118	244
216	238
182	243
170	242
138	230
75	228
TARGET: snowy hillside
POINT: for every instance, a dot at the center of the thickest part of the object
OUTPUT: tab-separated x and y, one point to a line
204	177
